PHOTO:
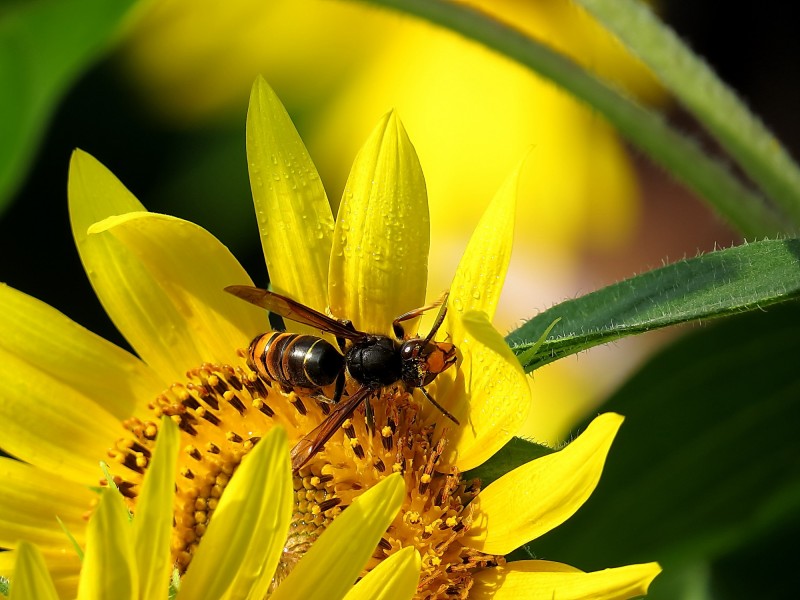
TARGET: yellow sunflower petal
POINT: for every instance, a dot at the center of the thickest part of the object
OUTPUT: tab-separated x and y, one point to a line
28	507
31	578
482	270
55	427
63	568
86	362
494	395
109	564
333	563
294	216
395	578
152	526
540	495
243	543
379	262
186	317
142	309
543	580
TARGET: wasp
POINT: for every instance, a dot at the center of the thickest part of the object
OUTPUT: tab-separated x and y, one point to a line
373	361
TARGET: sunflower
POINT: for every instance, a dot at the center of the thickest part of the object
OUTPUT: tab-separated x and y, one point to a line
74	398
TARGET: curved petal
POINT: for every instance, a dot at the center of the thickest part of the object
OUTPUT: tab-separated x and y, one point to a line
177	307
29	507
329	568
540	495
543	580
490	395
240	550
31	329
293	212
141	309
31	577
395	578
482	270
63	569
109	565
152	527
379	260
55	427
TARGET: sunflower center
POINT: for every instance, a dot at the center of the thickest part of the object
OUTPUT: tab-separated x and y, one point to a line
223	411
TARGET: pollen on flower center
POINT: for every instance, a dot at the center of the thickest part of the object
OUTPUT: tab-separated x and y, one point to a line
223	411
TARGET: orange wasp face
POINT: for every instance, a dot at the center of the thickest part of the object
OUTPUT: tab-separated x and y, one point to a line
423	361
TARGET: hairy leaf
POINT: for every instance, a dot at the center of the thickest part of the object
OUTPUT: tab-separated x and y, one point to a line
735	280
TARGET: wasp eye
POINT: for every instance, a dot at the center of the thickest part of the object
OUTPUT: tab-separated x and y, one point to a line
409	350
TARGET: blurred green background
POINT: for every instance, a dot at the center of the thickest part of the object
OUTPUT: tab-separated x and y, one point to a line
159	95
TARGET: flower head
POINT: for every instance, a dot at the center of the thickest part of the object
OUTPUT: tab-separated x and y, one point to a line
161	280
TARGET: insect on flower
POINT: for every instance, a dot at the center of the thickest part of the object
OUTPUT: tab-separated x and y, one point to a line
373	361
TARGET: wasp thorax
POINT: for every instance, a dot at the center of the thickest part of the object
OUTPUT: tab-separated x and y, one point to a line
374	362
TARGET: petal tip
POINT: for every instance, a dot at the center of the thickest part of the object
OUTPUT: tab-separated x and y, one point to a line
610	419
79	158
260	88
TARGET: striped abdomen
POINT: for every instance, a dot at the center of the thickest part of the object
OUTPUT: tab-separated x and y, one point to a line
295	360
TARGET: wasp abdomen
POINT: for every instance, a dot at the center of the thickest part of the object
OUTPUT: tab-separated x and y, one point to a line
296	360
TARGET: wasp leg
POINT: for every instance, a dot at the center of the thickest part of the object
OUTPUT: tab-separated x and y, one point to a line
339	389
348	324
321	397
319	394
399	332
369	416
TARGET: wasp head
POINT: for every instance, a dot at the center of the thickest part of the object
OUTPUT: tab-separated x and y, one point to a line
423	361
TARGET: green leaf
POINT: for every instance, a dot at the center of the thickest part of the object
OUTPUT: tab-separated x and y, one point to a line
707	460
716	105
45	45
530	353
515	453
644	128
738	279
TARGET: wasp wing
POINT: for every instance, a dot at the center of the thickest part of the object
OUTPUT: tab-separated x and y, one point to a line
290	309
317	437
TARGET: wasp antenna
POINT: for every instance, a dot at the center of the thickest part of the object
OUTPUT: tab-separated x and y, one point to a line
397	327
445	412
437	324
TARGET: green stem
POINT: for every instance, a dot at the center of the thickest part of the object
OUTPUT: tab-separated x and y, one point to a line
704	94
646	129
